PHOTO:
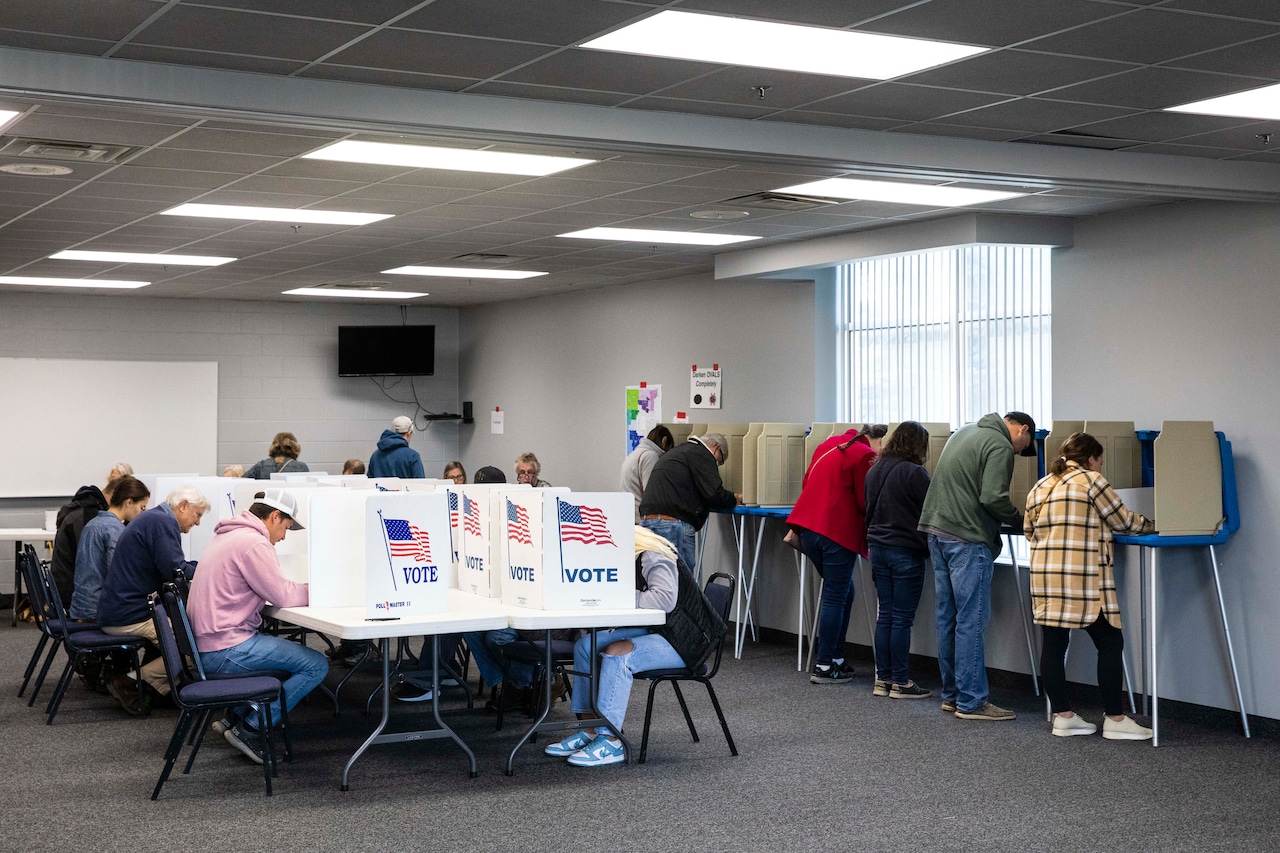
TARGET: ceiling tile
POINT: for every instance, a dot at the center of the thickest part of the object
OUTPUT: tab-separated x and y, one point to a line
1151	35
995	23
739	86
453	56
54	44
49	126
292	186
1243	137
1036	115
1257	10
173	158
904	101
823	13
207	59
381	77
1015	72
610	72
102	19
272	144
363	11
1255	59
1160	126
230	31
503	89
558	22
1153	88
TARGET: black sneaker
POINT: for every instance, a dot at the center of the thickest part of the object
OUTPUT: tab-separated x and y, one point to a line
249	743
407	691
910	690
837	673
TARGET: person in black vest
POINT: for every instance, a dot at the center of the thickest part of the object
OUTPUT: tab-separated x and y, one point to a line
684	486
84	507
626	651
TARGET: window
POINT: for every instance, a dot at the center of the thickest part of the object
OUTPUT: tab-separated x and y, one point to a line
947	335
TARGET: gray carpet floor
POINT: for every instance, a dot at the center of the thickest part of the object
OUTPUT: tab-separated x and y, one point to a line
821	768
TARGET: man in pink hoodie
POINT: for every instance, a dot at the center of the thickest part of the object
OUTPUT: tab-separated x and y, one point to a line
239	573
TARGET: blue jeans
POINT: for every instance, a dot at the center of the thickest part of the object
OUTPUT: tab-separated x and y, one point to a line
962	578
616	671
681	535
486	651
835	565
899	576
265	652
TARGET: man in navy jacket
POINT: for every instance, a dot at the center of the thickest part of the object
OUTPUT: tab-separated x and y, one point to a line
394	457
148	554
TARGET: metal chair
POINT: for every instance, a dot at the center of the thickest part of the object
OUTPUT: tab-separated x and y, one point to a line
721	597
78	643
197	696
533	652
51	628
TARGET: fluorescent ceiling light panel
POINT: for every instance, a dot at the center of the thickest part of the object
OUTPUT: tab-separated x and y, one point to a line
7	116
1261	103
140	258
462	272
899	193
788	47
640	235
71	282
352	294
457	159
275	214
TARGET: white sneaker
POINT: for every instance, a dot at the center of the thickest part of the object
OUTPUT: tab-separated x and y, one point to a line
1125	729
1073	725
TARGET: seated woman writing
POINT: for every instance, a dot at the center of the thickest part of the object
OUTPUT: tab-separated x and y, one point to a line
631	650
1071	515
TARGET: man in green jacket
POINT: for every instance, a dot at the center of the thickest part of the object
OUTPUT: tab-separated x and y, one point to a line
967	501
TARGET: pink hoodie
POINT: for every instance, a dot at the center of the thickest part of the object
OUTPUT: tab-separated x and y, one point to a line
239	572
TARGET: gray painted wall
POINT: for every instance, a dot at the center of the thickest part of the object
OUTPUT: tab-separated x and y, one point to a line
277	370
1171	313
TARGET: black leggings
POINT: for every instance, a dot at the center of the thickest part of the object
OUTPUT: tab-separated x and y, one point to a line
1109	641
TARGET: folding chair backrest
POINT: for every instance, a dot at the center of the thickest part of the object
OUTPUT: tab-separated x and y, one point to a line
29	565
175	603
720	595
46	600
168	643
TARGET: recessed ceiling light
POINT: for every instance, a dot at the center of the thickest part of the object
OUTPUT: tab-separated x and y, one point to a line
7	116
898	192
640	235
346	293
462	272
1261	103
457	159
71	282
720	215
788	47
275	214
35	170
140	258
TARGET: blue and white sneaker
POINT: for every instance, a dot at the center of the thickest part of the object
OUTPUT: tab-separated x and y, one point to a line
598	753
569	745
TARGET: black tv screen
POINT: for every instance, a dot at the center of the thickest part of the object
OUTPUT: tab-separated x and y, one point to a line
386	350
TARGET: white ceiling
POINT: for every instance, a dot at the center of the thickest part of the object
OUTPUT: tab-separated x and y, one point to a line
220	98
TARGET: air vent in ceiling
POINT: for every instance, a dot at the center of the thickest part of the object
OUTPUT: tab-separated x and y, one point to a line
353	285
488	259
1074	139
780	201
53	149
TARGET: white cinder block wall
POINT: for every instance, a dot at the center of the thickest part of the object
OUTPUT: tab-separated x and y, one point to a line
277	370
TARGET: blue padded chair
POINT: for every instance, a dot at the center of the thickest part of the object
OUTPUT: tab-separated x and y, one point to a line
721	597
51	628
78	643
197	697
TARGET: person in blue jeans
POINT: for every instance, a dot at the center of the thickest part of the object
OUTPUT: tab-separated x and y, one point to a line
895	490
968	500
626	652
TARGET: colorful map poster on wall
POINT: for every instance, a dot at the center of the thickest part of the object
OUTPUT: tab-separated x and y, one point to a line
644	412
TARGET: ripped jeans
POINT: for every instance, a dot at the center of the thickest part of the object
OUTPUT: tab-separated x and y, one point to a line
652	651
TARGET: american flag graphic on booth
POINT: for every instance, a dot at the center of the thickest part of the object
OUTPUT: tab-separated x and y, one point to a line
518	524
407	540
453	510
586	524
471	511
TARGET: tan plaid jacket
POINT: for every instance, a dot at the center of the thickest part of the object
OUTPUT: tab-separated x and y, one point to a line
1069	522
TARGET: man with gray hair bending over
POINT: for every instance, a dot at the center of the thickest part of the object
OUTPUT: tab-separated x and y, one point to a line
148	554
685	485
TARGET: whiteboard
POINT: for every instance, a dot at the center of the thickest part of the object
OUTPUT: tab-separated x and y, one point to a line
67	421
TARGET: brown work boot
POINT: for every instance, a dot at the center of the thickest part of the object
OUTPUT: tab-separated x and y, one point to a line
125	691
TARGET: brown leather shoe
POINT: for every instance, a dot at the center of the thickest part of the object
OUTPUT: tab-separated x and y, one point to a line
559	689
125	691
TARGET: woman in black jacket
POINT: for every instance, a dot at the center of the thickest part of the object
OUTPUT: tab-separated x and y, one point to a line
895	489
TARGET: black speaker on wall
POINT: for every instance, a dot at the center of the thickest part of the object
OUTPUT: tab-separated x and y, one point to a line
466	413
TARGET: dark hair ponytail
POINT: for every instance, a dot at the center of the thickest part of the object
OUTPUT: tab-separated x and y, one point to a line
1079	448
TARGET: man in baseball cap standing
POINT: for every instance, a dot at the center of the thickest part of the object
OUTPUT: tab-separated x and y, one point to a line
394	457
239	573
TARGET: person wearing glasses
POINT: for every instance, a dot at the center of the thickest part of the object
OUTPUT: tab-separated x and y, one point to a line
454	471
683	488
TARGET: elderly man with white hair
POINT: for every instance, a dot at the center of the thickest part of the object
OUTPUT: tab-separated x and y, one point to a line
148	554
684	486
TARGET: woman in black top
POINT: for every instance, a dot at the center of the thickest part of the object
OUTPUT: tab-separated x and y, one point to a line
895	489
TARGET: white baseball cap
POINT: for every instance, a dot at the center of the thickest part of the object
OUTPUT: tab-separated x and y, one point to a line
283	501
402	425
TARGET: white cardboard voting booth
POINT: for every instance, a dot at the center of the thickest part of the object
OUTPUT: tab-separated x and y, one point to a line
215	492
579	551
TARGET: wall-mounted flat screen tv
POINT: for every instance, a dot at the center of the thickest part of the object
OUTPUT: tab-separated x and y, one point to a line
386	350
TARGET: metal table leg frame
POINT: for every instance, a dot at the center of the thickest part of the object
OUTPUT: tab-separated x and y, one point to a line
868	592
1226	630
739	536
748	586
1026	615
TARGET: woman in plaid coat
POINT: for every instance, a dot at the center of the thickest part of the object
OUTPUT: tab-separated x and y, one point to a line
1071	515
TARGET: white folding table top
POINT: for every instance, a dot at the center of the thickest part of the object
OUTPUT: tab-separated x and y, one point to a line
19	534
466	613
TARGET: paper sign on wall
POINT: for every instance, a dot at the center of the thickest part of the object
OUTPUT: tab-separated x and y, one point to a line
704	387
644	412
406	554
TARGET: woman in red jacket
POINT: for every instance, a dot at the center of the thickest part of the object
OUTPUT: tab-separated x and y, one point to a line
830	517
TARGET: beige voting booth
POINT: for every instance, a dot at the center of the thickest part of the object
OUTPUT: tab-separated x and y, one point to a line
1188	479
1122	452
731	471
819	433
938	431
680	432
1059	432
750	481
780	463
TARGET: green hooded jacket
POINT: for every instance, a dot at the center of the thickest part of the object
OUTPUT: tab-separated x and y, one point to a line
968	497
